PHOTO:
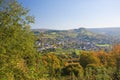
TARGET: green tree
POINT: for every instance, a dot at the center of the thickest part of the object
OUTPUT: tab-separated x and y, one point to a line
17	53
73	71
95	72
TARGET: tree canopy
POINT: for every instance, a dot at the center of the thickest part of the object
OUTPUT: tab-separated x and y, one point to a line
17	53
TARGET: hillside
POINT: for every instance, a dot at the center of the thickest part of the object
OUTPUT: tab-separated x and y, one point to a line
81	38
107	31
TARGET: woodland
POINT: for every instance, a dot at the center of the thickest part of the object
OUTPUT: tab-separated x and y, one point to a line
19	59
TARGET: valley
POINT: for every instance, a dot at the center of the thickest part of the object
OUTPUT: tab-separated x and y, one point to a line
81	39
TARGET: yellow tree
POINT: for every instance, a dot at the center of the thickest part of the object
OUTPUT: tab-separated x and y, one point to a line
88	58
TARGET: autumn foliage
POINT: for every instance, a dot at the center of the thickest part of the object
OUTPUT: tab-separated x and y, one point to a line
19	59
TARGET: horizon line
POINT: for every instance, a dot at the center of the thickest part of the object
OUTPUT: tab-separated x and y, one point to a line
75	28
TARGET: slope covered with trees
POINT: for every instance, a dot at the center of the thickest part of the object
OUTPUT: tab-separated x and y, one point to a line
19	59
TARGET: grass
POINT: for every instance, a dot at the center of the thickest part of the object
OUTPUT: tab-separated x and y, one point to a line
103	45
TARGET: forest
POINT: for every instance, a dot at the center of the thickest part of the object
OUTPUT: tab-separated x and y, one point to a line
20	60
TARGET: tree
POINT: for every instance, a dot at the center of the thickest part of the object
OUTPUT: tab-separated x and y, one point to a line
17	53
88	58
73	70
53	64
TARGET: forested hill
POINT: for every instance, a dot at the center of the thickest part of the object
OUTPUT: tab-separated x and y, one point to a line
52	54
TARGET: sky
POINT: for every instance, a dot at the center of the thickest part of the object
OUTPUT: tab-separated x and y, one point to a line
72	14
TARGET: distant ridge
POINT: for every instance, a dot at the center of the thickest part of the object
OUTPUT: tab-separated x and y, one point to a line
111	31
108	31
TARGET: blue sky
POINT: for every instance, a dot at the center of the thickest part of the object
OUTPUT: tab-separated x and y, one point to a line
71	14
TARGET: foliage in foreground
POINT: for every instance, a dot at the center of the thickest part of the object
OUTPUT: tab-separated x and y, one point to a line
20	61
